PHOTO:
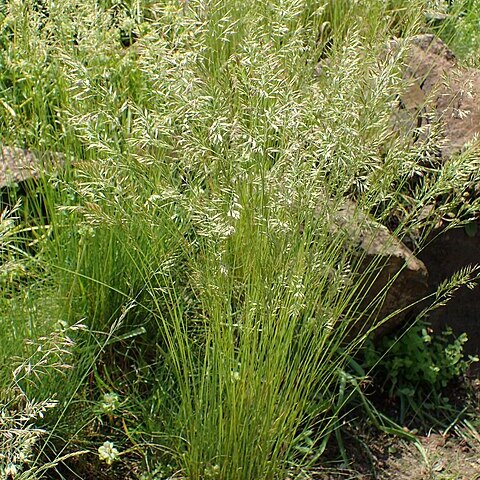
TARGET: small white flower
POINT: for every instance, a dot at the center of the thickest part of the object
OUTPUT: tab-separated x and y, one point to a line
212	471
235	374
110	403
108	453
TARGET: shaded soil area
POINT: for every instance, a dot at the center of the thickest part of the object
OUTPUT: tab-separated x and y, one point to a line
446	254
434	456
448	452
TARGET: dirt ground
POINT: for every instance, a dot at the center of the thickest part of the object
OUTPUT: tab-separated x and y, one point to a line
434	457
451	453
439	457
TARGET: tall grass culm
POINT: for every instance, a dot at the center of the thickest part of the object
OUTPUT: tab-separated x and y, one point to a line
195	237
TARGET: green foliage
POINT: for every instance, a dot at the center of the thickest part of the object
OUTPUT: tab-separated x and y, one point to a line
460	30
338	18
466	37
419	362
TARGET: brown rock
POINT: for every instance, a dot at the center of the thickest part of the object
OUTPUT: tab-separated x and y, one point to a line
451	94
397	279
442	92
18	164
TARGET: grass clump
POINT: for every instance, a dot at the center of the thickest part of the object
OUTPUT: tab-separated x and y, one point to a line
194	236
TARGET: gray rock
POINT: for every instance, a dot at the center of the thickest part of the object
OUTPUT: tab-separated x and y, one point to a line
18	165
449	95
397	279
440	92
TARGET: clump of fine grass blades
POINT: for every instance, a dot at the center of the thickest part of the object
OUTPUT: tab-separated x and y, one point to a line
195	236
